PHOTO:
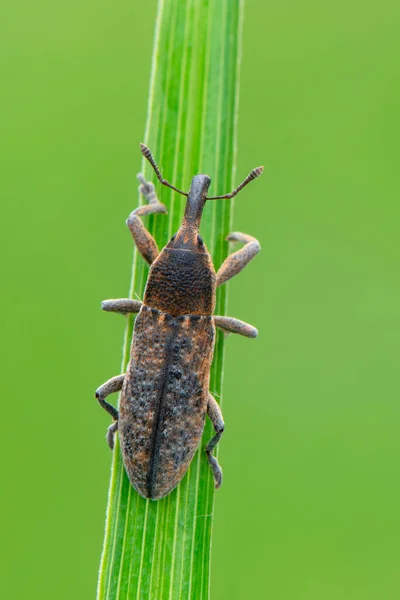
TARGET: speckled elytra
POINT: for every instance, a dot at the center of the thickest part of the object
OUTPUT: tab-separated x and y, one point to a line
164	392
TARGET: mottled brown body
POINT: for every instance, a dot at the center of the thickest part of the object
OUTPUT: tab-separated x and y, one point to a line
164	398
165	392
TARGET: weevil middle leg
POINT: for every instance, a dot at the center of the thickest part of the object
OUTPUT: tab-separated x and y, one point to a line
123	306
239	259
143	239
231	325
109	387
215	414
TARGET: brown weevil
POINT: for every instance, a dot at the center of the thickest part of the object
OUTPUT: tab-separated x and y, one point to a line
164	392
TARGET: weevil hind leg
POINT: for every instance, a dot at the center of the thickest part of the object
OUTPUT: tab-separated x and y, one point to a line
231	325
239	259
215	414
143	239
109	387
123	306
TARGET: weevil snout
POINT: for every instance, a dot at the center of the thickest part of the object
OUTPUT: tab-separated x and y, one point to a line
187	237
196	200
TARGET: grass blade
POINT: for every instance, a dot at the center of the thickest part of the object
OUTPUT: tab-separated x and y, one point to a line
161	550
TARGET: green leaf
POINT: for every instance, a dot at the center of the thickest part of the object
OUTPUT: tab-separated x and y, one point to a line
161	549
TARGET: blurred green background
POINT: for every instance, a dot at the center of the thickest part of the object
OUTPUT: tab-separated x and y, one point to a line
309	509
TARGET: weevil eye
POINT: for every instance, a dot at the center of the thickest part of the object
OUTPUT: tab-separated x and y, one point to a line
200	241
173	237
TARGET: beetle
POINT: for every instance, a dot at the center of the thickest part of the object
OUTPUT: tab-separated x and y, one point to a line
164	392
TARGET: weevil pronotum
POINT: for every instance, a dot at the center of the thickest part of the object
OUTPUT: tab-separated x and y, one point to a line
164	392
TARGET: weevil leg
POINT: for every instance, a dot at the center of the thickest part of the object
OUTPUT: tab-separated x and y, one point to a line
231	325
109	387
110	434
215	414
122	306
143	239
239	259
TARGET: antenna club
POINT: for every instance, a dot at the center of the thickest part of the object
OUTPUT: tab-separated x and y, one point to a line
145	151
148	155
256	172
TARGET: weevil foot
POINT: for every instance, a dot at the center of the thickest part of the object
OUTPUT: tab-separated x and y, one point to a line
216	469
149	192
110	434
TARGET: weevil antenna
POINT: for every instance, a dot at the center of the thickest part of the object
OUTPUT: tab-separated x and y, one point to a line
252	175
147	154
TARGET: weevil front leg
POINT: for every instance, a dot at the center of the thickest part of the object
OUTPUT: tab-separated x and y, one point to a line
215	414
239	259
109	387
143	239
231	325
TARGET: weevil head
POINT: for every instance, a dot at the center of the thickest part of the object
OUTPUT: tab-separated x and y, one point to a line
187	237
